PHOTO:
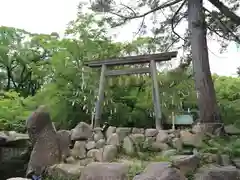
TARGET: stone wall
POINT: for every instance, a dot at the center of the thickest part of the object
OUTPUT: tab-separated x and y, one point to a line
94	153
131	141
93	145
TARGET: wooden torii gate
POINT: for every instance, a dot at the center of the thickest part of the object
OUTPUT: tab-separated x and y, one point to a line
130	60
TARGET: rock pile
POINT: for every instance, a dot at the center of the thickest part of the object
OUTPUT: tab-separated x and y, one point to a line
93	156
129	140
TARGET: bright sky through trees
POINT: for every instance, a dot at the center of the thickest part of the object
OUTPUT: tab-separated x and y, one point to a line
46	16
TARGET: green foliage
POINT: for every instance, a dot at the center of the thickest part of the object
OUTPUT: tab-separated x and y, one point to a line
135	169
227	92
46	69
12	112
228	145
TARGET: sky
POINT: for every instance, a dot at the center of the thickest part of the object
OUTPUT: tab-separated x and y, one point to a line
46	16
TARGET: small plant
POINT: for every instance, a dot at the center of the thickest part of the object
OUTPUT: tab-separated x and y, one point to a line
190	176
136	169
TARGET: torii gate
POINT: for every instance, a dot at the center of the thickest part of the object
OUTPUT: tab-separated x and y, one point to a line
130	60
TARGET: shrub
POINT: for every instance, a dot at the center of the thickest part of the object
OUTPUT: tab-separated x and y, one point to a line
13	113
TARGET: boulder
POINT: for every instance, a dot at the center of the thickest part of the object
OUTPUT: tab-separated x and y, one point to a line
46	146
90	145
123	132
128	146
70	160
113	139
92	153
97	171
160	171
82	131
158	146
86	161
177	144
148	142
12	138
100	143
189	139
98	134
65	143
66	171
79	150
217	173
210	158
208	128
151	132
106	154
109	153
138	139
110	131
99	155
137	130
186	163
162	136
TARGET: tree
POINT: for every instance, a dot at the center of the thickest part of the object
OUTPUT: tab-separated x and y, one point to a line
21	57
64	83
209	112
55	75
223	23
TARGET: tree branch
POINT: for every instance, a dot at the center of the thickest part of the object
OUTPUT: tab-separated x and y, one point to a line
142	23
127	18
173	19
217	33
134	13
226	11
224	26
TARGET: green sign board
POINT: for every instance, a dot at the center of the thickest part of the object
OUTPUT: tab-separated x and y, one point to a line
183	119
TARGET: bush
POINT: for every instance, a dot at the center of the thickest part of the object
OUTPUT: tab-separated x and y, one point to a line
13	113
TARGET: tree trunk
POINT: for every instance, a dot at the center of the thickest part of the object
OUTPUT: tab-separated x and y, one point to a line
206	96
